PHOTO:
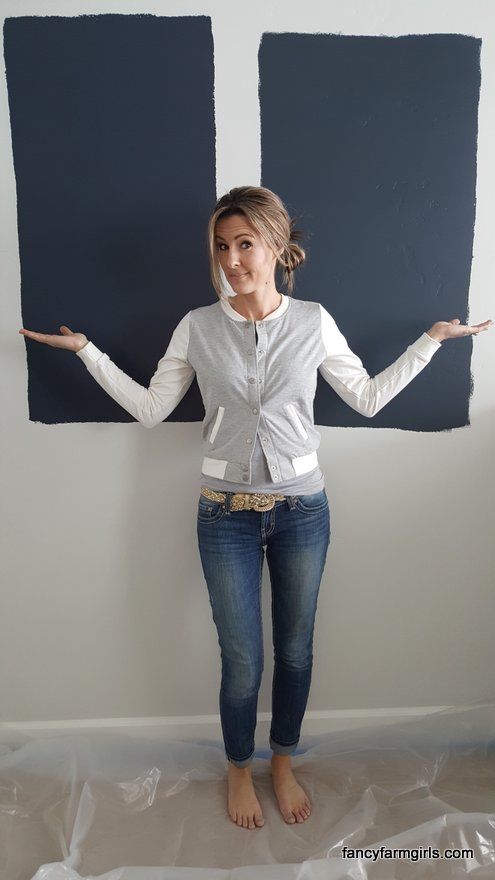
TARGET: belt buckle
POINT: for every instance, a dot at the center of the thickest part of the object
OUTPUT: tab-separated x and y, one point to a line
263	501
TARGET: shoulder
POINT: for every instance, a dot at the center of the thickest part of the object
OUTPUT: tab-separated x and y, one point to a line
206	309
304	308
205	312
305	305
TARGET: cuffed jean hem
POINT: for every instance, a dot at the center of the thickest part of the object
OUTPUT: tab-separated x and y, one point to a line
244	763
282	750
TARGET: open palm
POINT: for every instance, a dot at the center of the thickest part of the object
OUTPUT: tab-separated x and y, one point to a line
453	329
69	340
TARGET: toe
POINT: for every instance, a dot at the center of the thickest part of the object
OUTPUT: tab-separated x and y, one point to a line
290	818
259	821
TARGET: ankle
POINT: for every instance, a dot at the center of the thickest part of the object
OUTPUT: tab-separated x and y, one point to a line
282	761
239	771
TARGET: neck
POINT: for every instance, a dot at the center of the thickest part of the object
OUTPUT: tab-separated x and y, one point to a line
256	306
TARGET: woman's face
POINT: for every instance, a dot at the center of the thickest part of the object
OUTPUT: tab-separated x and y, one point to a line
245	257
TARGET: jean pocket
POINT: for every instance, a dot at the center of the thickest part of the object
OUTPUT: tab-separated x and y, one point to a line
209	511
312	503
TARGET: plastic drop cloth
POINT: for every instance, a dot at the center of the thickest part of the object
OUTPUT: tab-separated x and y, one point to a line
119	807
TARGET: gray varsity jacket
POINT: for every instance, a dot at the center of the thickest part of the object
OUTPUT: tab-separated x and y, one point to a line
266	386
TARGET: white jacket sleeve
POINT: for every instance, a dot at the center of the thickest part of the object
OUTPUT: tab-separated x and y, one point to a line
344	370
150	406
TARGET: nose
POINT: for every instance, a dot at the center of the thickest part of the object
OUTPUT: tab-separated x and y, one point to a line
232	259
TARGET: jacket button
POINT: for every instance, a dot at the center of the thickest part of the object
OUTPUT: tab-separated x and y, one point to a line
275	477
255	411
252	380
249	440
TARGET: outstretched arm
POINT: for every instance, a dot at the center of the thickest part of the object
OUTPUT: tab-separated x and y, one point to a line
172	378
345	373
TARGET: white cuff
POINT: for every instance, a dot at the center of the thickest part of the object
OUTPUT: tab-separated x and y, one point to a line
426	346
89	353
431	337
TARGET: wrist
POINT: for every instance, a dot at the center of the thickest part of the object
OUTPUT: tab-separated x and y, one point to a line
435	334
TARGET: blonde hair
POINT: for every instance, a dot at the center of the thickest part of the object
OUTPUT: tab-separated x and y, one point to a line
268	214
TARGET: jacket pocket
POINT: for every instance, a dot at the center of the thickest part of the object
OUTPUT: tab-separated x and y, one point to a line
295	420
218	421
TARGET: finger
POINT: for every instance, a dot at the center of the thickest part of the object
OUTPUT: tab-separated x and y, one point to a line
40	337
485	324
478	328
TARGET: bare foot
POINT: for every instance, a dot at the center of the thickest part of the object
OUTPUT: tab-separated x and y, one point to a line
244	807
293	801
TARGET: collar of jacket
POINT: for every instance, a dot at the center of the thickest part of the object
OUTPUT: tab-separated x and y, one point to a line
237	317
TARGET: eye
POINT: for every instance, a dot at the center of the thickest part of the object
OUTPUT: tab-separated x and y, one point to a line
221	244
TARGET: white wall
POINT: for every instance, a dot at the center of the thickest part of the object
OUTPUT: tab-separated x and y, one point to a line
105	612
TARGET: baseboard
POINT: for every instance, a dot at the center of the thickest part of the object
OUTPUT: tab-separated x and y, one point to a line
208	727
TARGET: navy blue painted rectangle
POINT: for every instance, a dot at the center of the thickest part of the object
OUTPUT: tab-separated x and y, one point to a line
371	142
113	135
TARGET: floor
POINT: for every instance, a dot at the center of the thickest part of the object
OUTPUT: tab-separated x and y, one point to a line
116	807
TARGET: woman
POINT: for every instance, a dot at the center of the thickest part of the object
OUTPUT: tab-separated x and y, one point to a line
256	359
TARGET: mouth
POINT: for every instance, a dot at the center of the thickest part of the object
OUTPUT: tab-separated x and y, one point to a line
239	276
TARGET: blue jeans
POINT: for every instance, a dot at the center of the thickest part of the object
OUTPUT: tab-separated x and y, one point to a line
296	534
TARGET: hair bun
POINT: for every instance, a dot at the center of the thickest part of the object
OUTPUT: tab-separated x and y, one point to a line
296	256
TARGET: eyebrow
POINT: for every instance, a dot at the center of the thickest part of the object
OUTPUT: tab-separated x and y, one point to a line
241	235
